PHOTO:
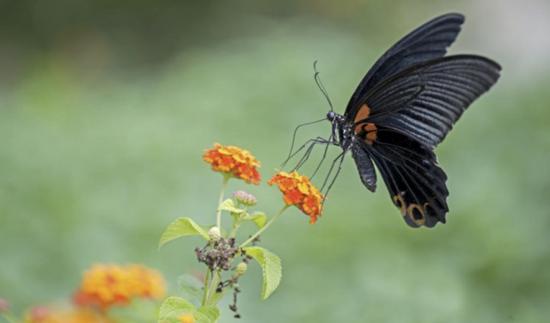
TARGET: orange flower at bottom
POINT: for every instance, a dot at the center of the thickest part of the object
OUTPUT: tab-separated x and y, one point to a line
299	191
233	161
107	285
53	315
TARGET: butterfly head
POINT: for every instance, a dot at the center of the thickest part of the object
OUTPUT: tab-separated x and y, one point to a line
335	118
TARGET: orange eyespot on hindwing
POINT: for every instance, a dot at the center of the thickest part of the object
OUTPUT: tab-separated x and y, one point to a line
416	213
400	203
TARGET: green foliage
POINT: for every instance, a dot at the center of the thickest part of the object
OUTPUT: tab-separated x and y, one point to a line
174	307
190	286
216	298
271	268
138	311
207	314
182	227
259	218
229	206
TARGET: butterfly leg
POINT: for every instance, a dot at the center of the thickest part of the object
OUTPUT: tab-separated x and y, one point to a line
339	158
322	158
340	162
305	157
309	142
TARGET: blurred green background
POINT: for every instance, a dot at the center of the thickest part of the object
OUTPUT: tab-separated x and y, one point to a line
107	106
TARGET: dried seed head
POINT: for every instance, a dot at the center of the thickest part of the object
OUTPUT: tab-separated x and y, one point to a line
217	254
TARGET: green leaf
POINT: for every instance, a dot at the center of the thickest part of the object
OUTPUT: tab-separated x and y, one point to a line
229	205
271	268
180	228
211	313
259	218
201	318
172	308
138	311
190	286
214	299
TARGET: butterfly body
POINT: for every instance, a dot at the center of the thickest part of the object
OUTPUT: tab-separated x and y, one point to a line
342	131
403	108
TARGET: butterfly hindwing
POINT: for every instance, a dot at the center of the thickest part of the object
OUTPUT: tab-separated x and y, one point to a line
414	180
426	42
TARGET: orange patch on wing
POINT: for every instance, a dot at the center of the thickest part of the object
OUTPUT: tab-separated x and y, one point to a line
362	114
371	130
365	128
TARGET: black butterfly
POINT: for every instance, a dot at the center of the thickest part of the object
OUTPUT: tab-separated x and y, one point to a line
405	106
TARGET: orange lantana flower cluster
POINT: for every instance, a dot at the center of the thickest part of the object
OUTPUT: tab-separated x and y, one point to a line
106	285
299	191
233	161
55	315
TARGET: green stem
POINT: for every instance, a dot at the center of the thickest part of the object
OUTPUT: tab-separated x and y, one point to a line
216	279
234	231
206	287
255	235
220	200
237	223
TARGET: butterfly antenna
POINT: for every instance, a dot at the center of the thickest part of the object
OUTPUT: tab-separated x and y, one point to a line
320	85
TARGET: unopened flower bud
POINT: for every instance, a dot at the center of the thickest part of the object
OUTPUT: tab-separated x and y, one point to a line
245	198
241	269
4	305
214	234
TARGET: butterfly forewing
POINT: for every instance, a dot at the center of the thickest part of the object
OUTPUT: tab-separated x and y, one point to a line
435	94
426	42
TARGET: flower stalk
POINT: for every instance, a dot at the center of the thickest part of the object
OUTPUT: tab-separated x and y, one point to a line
265	227
206	285
220	200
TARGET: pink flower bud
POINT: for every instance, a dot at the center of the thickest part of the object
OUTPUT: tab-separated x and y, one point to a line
245	198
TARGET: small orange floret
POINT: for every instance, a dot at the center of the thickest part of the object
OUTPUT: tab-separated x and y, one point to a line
234	161
107	285
187	318
299	191
70	315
